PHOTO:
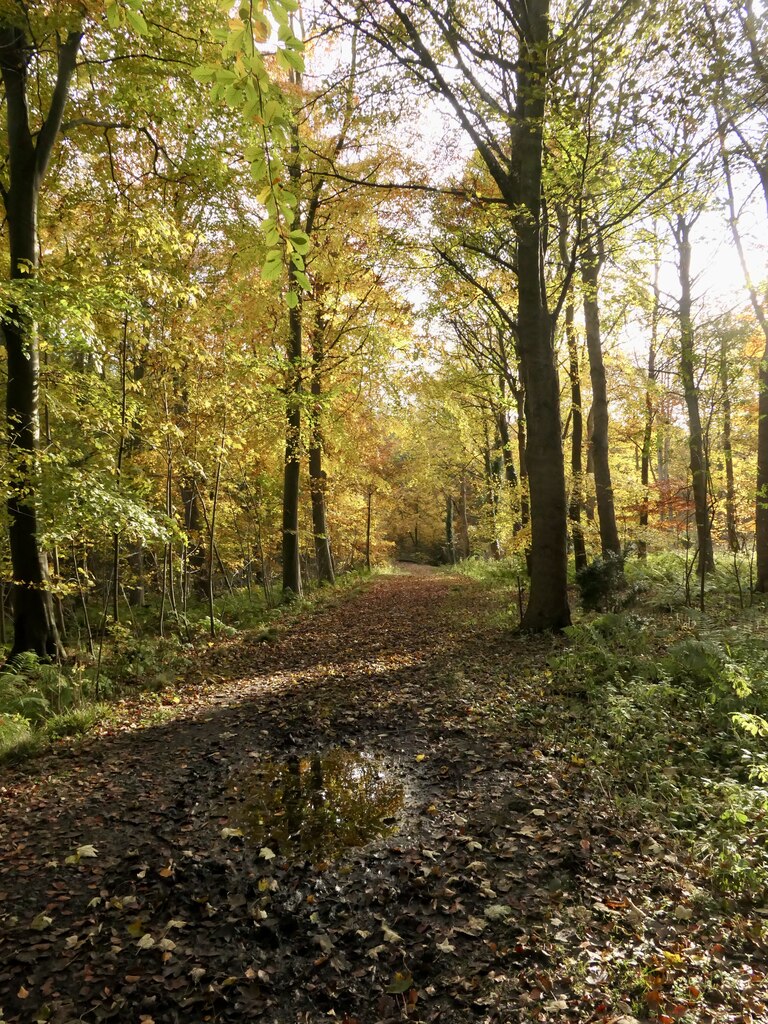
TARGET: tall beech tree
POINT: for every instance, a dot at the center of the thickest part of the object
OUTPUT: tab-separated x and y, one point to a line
699	459
592	260
734	41
30	147
576	499
650	413
497	88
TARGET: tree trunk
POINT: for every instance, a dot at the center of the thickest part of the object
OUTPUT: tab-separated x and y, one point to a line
606	513
502	426
761	502
645	461
577	441
195	548
492	480
589	497
510	476
548	597
28	158
698	457
525	509
212	527
450	543
464	518
368	530
292	470
137	587
576	500
759	308
730	484
317	475
292	587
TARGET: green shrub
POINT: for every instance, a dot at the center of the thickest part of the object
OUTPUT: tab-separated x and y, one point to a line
602	584
502	572
14	730
76	722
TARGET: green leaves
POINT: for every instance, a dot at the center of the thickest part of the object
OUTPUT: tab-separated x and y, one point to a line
272	110
113	15
205	73
242	80
290	60
273	265
299	241
127	13
136	20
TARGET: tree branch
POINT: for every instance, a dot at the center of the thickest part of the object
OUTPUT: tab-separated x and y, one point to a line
52	123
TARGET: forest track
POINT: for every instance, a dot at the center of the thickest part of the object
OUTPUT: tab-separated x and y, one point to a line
510	890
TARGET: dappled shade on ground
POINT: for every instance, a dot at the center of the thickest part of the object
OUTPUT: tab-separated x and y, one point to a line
509	891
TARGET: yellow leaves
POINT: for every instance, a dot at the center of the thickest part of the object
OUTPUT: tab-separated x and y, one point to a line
80	853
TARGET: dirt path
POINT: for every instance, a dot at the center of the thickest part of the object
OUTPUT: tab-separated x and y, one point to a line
499	894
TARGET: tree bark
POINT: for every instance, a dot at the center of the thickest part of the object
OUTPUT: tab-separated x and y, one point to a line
730	483
698	457
577	442
606	512
464	519
645	460
450	542
761	315
525	508
292	587
28	156
576	500
517	171
548	596
502	426
317	475
492	482
368	511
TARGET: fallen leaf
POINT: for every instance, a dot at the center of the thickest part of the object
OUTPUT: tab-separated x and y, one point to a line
389	934
401	982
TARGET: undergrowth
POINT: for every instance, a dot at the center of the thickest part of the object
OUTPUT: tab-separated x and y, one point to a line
44	703
669	705
666	705
505	572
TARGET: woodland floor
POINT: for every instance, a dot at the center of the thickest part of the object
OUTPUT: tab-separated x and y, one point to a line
510	889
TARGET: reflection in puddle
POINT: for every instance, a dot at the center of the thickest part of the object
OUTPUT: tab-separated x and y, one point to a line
316	807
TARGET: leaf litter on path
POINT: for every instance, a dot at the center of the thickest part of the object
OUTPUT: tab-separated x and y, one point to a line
506	889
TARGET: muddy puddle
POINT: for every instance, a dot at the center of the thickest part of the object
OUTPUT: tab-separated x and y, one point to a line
317	806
